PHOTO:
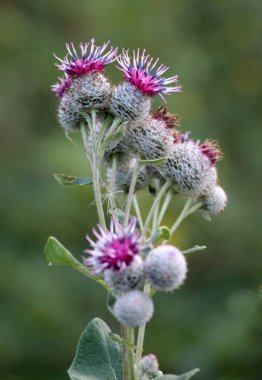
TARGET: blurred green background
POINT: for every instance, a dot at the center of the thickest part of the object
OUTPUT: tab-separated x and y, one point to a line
214	321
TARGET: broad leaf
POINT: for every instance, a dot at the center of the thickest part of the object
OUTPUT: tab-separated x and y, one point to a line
68	180
162	232
184	376
98	355
157	161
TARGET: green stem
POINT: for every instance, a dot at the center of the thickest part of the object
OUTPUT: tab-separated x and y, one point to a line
96	174
131	194
138	213
155	217
125	354
154	205
164	207
141	333
130	338
181	216
113	187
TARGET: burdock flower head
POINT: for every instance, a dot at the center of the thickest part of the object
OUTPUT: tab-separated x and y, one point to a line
152	136
191	165
114	249
143	79
84	85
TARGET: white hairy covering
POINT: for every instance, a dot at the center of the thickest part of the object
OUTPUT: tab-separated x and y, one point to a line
166	268
86	92
150	137
133	309
126	279
129	103
190	169
214	202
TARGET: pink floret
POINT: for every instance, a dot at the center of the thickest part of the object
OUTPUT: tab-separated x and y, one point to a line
62	87
142	72
114	249
92	58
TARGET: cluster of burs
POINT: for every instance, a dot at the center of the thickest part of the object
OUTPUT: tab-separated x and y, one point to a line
188	166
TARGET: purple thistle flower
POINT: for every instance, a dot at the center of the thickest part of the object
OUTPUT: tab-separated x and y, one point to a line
60	88
92	58
114	249
143	73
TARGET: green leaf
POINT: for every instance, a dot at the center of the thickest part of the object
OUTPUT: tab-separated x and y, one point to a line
57	254
194	249
158	161
162	232
184	376
98	356
69	180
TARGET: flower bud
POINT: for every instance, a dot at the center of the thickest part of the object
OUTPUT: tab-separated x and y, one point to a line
126	279
214	202
153	136
85	92
166	268
191	170
129	103
149	365
133	309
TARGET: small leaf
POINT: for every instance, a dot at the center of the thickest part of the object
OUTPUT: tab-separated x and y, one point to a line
162	232
184	376
98	356
158	161
57	254
194	249
68	180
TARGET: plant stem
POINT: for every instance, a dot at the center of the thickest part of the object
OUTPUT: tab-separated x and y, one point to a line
96	173
125	353
141	332
138	213
131	193
164	207
130	337
184	213
181	216
112	200
155	203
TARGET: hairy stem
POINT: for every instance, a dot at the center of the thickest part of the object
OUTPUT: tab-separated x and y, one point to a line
164	207
96	173
185	213
138	213
141	332
125	353
131	193
154	205
112	190
130	338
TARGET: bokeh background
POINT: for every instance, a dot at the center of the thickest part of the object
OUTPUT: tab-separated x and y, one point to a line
214	321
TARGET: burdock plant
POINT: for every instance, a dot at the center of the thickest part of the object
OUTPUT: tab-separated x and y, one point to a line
128	255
